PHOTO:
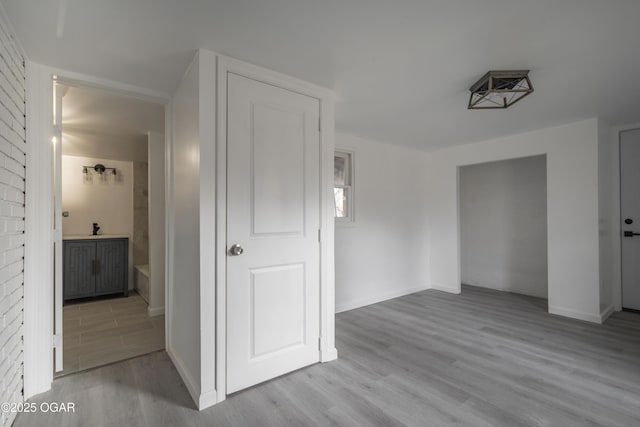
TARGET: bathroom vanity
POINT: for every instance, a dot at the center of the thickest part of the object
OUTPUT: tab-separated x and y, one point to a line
95	265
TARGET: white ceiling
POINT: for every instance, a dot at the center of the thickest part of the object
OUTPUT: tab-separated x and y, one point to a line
401	68
107	125
109	112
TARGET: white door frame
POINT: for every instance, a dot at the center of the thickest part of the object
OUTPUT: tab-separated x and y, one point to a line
227	65
39	279
617	205
57	230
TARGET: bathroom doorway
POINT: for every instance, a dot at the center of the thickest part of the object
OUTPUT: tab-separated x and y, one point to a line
110	206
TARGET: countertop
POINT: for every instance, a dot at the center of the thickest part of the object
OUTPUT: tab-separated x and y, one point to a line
90	236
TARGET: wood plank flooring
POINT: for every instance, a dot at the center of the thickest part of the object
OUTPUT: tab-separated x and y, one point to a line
104	331
482	358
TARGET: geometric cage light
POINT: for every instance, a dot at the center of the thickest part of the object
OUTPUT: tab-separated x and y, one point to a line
499	89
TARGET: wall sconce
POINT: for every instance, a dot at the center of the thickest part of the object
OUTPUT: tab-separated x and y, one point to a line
499	89
99	168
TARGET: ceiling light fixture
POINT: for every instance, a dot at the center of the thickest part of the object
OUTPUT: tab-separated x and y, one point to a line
499	89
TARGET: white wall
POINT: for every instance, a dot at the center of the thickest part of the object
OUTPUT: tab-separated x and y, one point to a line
191	343
606	217
156	223
184	345
503	225
572	211
384	253
109	201
116	146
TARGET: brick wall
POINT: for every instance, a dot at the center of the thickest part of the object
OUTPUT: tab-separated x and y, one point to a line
12	187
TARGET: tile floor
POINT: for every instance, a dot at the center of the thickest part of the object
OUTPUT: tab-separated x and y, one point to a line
104	331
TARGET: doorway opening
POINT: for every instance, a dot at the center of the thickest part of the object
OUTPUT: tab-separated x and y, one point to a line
503	226
110	227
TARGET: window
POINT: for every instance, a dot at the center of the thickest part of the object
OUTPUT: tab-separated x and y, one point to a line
343	186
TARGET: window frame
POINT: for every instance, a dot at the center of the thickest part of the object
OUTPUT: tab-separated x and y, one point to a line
349	189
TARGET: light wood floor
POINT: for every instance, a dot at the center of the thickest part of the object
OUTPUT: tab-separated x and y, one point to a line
483	358
100	332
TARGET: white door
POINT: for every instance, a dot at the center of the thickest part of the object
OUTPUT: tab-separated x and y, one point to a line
630	217
273	214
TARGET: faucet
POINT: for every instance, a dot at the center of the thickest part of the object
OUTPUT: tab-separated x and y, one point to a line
96	227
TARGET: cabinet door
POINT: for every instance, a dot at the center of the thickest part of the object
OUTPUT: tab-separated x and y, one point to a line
112	266
77	274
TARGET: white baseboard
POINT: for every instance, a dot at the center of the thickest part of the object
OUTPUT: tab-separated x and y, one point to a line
350	305
202	400
328	356
529	292
207	400
186	378
155	311
222	396
604	314
580	315
445	288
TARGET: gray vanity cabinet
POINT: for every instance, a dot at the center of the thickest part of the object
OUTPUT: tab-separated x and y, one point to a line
95	267
78	280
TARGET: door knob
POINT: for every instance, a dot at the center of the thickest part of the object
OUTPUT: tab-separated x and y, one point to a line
236	250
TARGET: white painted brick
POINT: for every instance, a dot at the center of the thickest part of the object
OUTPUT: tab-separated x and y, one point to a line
7	103
14	313
13	166
5	176
14	195
15	283
16	296
17	240
17	211
5	243
4	308
5	146
9	271
12	198
6	335
4	366
18	154
17	182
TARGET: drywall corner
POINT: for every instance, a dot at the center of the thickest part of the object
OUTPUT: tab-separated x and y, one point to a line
572	187
184	344
606	210
207	218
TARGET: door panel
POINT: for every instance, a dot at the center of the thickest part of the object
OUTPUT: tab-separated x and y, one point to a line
630	210
111	268
273	206
278	308
277	194
79	279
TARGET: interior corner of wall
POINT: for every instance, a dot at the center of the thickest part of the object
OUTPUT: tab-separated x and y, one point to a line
606	312
445	288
